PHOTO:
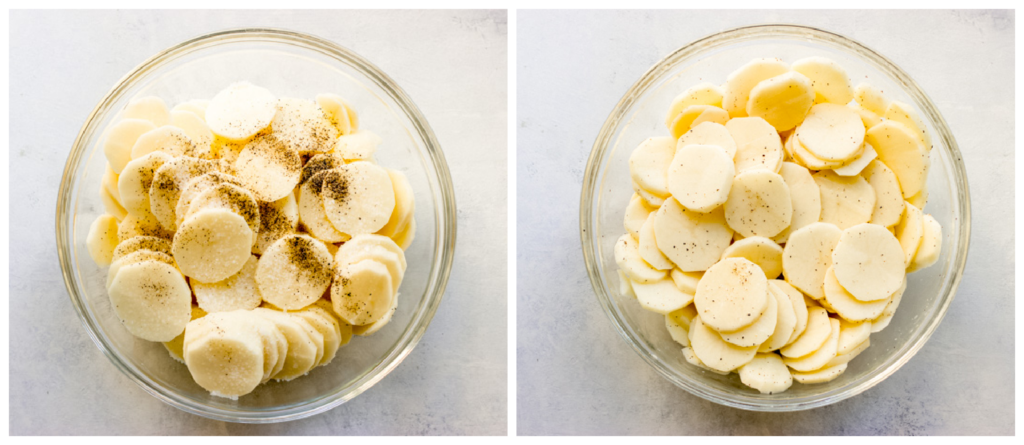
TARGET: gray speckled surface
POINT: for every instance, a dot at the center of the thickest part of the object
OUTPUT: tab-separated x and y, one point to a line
575	373
454	382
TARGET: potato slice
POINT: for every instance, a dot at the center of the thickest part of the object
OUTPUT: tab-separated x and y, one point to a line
710	114
269	168
740	82
196	106
694	115
868	117
277	219
818	331
315	336
931	245
693	241
661	296
797	300
786	322
229	197
805	196
807	255
732	295
758	145
327	326
817	359
405	204
648	247
110	183
828	78
367	330
759	204
678	333
168	183
294	272
709	133
151	299
822	375
150	108
238	291
832	132
903	113
760	251
625	285
888	197
782	100
766	373
359	146
703	93
195	128
302	350
870	98
649	163
650	199
714	352
845	201
890	310
806	158
144	225
175	347
212	245
899	149
367	241
857	165
627	256
684	317
759	331
358	198
846	305
137	256
868	263
345	329
844	358
392	257
700	177
361	293
336	112
686	281
920	199
312	216
303	126
241	110
102	240
195	187
228	360
141	242
168	139
693	360
851	335
119	141
910	232
405	237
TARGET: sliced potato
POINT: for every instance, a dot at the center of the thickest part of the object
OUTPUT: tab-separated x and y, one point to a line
650	199
227	359
782	100
336	112
931	245
732	295
143	225
820	376
212	245
175	347
806	158
709	133
358	146
845	200
229	197
237	292
649	163
648	247
358	198
852	335
829	80
312	216
121	138
799	306
786	322
692	241
195	187
817	359
700	177
890	310
102	240
661	296
302	350
854	167
740	82
903	113
701	94
888	197
760	251
141	242
807	256
805	196
694	115
844	358
627	256
241	110
150	108
758	145
678	333
405	204
844	303
868	262
277	219
168	139
910	232
759	204
269	168
766	373
759	331
294	272
920	199
168	183
818	331
901	151
195	128
693	360
870	98
686	281
716	353
832	132
361	293
303	126
151	299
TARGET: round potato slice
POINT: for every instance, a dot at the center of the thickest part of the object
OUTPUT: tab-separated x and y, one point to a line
627	256
870	98
228	362
910	231
920	199
817	359
740	82
346	329
693	360
212	245
141	242
197	186
361	293
327	326
807	256
238	291
759	331
366	242
900	112
111	204
694	115
277	219
890	310
822	375
714	352
819	329
931	245
868	262
175	347
241	110
650	199
110	183
732	295
693	241
846	305
312	216
358	146
405	204
353	252
686	281
637	212
786	322
805	196
888	197
900	150
314	335
143	225
294	272
758	145
303	127
711	114
102	240
678	333
120	139
828	78
852	335
230	197
799	306
649	163
684	317
195	128
700	177
358	198
709	133
367	330
857	165
168	183
842	359
196	106
806	158
782	100
336	112
625	285
661	296
703	93
151	299
150	108
268	168
137	257
766	373
760	251
648	247
168	139
845	201
832	132
302	351
759	204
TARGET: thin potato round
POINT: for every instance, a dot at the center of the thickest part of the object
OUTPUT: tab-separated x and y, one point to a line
870	98
758	145
661	296
143	225
361	293
931	245
358	146
759	331
358	198
405	204
703	93
740	82
168	183
759	204
648	247
336	112
151	299
766	373
195	187
828	78
910	232
230	197
102	240
804	194
268	168
716	353
785	323
141	242
650	199
760	251
168	139
709	133
121	138
900	112
857	165
852	334
844	358
832	132
241	110
822	375
782	101
888	197
302	351
700	177
807	256
868	262
195	128
312	216
303	127
817	359
686	281
277	219
890	310
212	245
238	291
693	360
732	295
637	212
627	256
690	116
845	201
649	163
799	306
175	347
294	272
846	305
150	108
692	241
900	150
228	362
819	328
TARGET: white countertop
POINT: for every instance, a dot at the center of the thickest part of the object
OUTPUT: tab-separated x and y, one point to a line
453	65
575	373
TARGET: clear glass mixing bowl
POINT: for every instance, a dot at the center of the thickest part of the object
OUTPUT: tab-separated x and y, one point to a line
640	114
289	64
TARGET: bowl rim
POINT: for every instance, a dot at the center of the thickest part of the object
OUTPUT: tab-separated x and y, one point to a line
713	41
445	216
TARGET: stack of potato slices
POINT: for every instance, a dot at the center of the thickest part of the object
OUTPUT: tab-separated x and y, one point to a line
775	227
252	235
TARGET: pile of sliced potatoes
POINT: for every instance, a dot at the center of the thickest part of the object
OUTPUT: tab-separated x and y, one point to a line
775	227
252	235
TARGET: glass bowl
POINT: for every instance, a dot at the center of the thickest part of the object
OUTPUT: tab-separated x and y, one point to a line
289	64
640	114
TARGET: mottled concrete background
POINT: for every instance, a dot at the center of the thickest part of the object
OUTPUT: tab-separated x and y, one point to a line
577	376
454	66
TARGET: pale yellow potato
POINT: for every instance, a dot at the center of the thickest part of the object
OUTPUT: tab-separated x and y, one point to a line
805	196
693	360
367	330
797	300
857	165
844	358
902	152
137	256
405	204
312	215
759	204
818	331
241	110
358	146
195	128
920	199
903	113
683	317
152	300
910	231
195	106
168	183
868	117
168	139
732	295
852	335
228	360
868	262
766	373
391	257
740	82
832	132
890	310
888	197
817	359
174	347
822	375
358	198
714	115
678	333
150	108
870	98
694	115
136	243
661	296
110	183
806	158
303	126
828	78
365	242
759	331
760	251
102	240
845	200
327	326
121	138
649	163
758	145
692	241
628	258
238	291
648	247
701	94
145	225
277	219
686	281
294	272
700	177
848	307
625	285
931	245
716	353
301	355
212	245
197	186
807	255
361	293
709	133
230	197
336	112
783	100
650	199
135	180
405	237
269	168
785	325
